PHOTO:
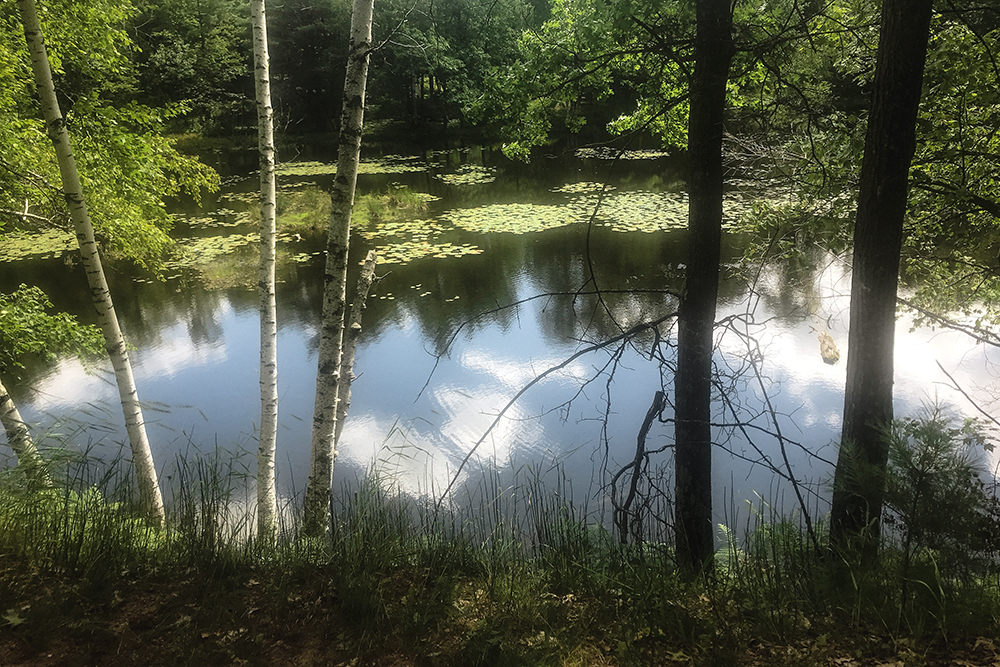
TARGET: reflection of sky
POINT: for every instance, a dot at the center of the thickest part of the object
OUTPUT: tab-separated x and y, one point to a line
207	392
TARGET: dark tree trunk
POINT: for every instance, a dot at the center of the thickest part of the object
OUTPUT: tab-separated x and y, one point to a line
878	235
693	381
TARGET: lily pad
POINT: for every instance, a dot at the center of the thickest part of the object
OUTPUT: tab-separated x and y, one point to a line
470	174
512	218
44	244
583	187
608	153
390	164
407	251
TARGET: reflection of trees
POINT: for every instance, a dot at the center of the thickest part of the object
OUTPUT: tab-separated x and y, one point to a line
792	290
635	271
510	267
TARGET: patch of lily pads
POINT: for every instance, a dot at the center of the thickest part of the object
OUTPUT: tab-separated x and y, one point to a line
304	257
514	218
415	229
44	244
390	164
198	252
470	174
583	188
217	220
245	198
608	153
411	239
407	251
646	212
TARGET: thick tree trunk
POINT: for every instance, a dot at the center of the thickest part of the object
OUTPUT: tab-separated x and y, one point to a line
149	489
20	441
693	381
316	517
267	499
889	146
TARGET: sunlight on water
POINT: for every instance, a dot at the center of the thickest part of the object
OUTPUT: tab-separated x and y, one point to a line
196	366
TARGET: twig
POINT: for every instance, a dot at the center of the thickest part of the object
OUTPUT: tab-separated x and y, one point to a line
980	335
621	514
635	330
964	393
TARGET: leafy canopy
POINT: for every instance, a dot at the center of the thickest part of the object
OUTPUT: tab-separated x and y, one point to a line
26	329
127	166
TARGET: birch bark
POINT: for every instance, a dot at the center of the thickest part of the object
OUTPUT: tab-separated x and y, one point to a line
351	335
20	441
150	497
316	516
267	499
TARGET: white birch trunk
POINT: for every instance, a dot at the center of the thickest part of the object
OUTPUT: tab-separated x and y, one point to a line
267	500
351	335
316	517
20	441
149	490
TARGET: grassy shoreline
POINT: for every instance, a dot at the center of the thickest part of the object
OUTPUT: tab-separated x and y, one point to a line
510	578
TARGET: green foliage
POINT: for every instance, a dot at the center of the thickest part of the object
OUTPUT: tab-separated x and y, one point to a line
27	329
801	77
76	529
307	207
433	68
790	235
809	88
623	65
953	239
199	53
127	167
935	494
308	43
394	204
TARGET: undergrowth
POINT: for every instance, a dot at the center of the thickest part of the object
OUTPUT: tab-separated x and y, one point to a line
507	574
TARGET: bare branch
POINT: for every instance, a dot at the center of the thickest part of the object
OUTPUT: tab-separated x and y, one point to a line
958	387
633	331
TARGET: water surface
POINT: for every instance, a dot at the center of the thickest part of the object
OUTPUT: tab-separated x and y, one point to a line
426	395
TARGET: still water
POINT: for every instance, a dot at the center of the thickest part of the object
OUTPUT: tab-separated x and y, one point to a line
449	341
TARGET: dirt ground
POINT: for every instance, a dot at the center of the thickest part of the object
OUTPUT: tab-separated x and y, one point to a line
181	621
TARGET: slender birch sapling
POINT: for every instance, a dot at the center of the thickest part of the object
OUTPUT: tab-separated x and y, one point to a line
267	499
316	517
150	497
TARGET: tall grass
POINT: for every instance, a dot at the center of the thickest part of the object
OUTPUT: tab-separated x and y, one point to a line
512	571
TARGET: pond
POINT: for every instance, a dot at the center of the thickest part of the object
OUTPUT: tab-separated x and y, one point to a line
487	289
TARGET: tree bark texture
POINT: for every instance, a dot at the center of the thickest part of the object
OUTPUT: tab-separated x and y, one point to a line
316	518
889	146
694	532
267	499
149	489
351	335
20	441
